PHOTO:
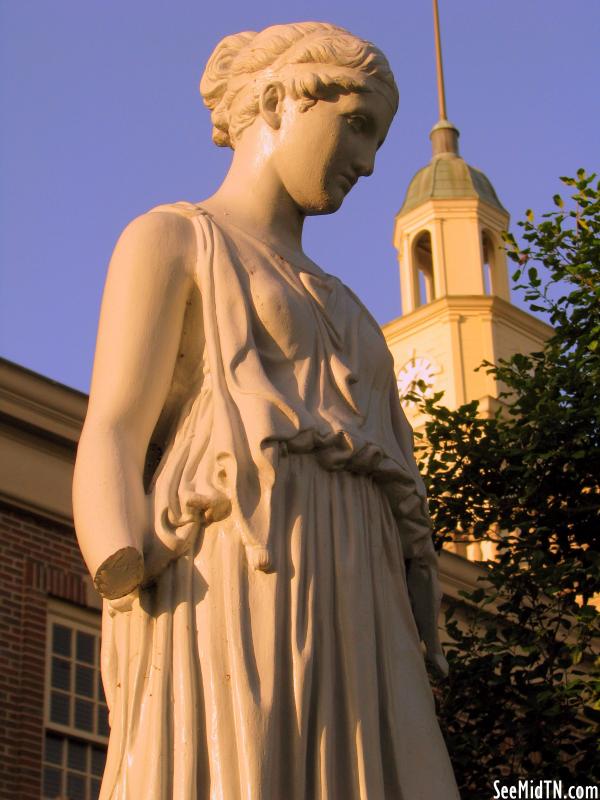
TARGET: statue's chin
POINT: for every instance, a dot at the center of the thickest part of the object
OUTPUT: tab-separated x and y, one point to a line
327	204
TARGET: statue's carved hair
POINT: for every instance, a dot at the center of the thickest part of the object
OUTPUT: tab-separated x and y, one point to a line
333	61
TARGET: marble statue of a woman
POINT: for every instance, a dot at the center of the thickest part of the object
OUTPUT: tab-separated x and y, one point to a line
259	640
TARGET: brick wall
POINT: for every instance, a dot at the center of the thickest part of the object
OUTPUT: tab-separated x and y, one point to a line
38	559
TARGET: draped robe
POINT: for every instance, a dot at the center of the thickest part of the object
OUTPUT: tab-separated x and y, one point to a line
276	656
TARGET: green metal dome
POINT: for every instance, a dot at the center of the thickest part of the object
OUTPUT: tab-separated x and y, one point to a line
448	175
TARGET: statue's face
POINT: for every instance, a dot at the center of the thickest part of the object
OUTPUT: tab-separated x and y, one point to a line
323	151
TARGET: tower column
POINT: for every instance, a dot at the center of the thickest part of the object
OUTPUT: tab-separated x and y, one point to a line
439	257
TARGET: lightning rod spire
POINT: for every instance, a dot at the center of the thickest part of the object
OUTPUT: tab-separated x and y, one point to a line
444	136
439	62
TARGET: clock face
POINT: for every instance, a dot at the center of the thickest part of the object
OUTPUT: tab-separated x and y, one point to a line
416	369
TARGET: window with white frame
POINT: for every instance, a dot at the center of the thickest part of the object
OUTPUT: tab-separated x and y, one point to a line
76	716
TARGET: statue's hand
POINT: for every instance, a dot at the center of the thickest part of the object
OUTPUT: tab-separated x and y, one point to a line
157	557
426	596
159	552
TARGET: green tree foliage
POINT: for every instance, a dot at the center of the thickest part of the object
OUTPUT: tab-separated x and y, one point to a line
522	699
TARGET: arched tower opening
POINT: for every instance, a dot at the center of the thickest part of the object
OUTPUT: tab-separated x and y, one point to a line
423	269
489	265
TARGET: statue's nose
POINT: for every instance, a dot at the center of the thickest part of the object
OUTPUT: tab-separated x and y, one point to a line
364	164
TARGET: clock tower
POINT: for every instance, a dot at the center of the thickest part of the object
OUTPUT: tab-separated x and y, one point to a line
455	299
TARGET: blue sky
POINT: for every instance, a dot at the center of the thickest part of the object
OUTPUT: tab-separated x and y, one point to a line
102	120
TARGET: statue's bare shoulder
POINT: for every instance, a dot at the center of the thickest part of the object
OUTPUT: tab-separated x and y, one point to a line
160	243
150	280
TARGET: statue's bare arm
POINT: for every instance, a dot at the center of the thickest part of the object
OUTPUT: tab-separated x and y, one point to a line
149	281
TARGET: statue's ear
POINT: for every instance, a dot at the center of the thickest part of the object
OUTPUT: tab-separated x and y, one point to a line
270	103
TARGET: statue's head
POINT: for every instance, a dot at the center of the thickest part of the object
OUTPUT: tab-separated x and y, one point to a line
321	94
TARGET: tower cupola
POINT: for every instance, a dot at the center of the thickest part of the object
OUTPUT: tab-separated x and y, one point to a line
456	309
448	232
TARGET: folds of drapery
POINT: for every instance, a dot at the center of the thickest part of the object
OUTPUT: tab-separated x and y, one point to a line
303	467
306	682
342	403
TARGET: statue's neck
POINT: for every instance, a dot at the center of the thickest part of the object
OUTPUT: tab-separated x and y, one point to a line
253	197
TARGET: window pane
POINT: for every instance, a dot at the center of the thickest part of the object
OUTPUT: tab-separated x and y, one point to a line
84	681
51	782
73	765
103	728
53	749
61	674
98	761
84	715
75	786
85	647
59	708
77	755
61	640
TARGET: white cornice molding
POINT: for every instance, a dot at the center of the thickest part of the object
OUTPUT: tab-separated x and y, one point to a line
40	424
33	401
452	208
466	305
